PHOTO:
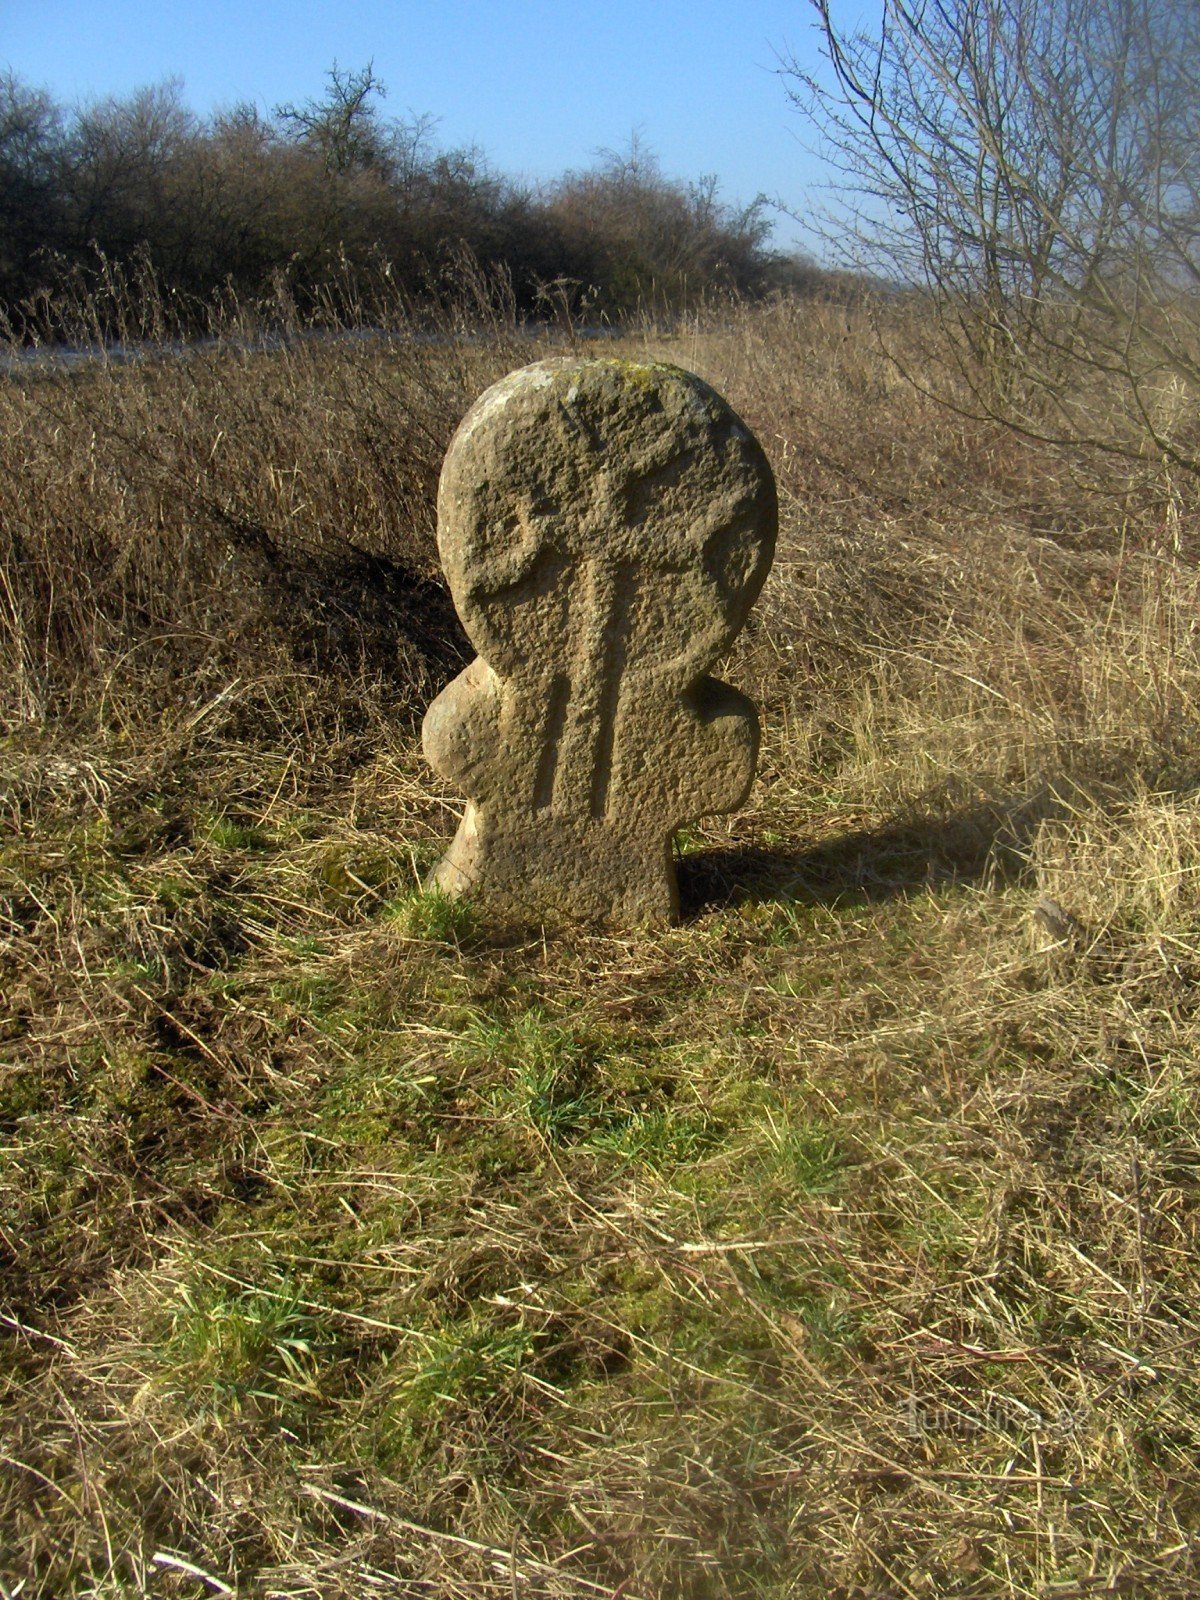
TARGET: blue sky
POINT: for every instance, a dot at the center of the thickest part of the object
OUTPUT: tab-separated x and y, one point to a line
539	85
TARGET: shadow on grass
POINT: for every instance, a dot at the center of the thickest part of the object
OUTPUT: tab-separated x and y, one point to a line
900	858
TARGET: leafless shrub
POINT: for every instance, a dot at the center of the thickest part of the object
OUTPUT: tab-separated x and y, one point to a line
1032	167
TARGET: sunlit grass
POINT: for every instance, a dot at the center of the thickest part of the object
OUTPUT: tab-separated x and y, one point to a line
840	1241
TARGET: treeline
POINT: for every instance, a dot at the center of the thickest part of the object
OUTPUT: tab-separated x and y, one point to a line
332	191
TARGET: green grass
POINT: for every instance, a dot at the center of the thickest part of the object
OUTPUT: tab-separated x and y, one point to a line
435	916
228	1347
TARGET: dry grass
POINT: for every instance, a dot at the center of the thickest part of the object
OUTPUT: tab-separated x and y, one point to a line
840	1242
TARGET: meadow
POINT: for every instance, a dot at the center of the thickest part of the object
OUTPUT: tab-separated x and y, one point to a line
839	1242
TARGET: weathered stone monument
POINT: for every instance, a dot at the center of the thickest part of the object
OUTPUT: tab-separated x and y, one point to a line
605	527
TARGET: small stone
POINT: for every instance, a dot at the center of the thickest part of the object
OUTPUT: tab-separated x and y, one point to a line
605	526
1059	923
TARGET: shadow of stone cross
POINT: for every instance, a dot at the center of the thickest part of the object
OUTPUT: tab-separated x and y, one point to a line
605	526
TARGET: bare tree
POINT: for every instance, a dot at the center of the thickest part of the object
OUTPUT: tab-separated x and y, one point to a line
123	153
32	157
652	241
1034	165
344	127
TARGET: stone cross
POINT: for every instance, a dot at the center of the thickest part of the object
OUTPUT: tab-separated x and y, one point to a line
605	527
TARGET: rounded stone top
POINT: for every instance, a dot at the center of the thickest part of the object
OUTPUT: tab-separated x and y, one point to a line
605	475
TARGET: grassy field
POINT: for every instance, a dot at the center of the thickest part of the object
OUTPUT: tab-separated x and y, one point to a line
840	1242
